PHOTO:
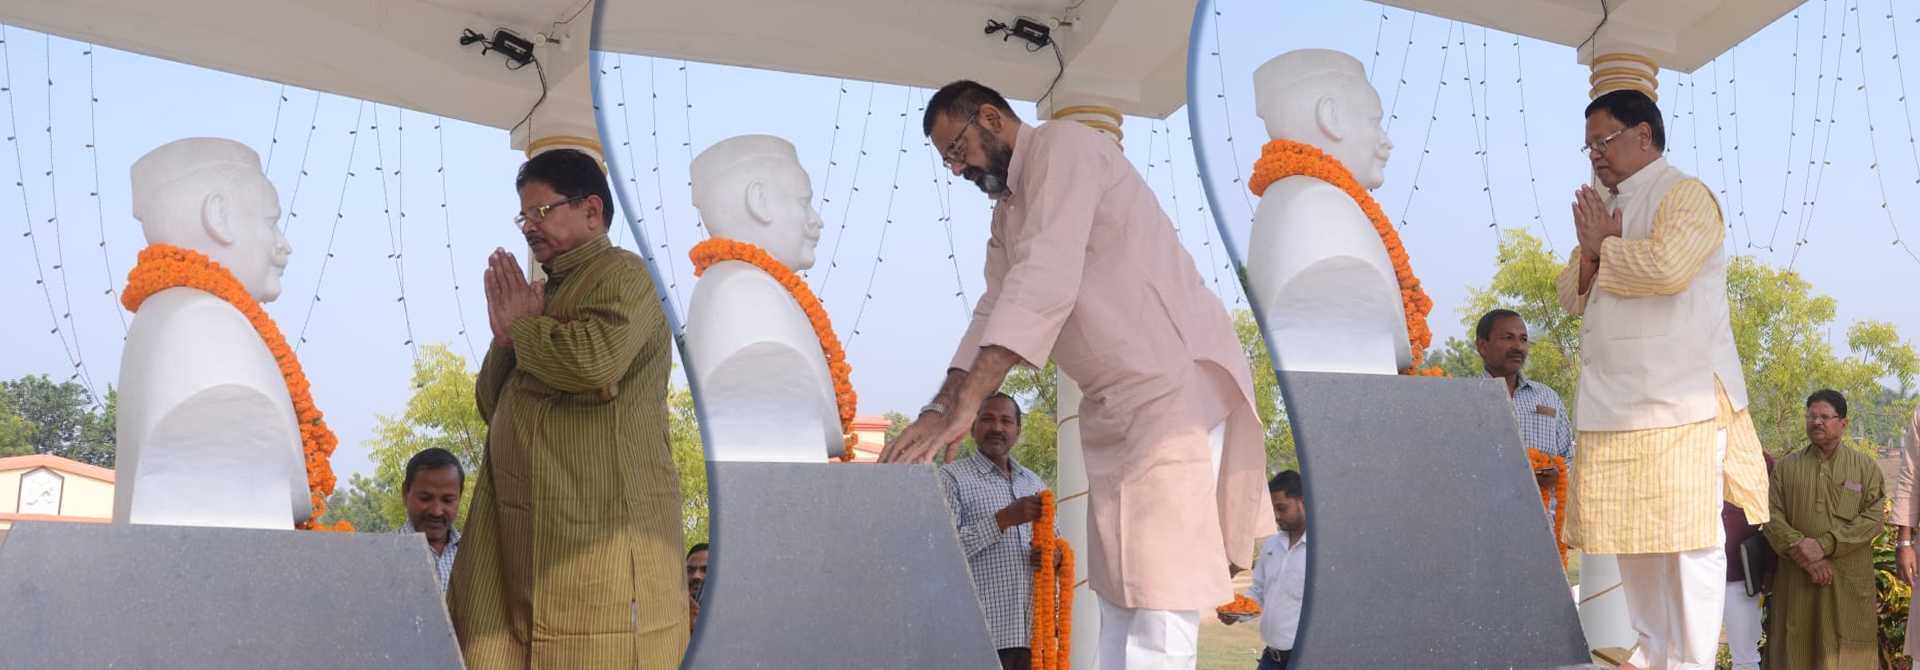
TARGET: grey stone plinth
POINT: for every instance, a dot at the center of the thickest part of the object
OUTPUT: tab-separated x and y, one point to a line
1427	545
835	566
88	595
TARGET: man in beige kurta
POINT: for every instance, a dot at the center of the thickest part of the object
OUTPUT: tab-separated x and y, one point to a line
1827	506
573	539
1906	515
1661	404
1084	267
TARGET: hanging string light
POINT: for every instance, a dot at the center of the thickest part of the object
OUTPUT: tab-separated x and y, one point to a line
853	189
1433	116
1873	140
943	195
396	227
1401	79
26	208
446	222
886	221
313	125
59	235
1739	164
1226	111
1526	144
1817	169
1793	102
660	187
339	212
100	210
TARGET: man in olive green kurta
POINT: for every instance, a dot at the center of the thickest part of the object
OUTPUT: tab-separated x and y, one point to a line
1827	506
571	555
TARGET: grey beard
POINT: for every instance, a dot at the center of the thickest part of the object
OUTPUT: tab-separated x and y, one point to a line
994	185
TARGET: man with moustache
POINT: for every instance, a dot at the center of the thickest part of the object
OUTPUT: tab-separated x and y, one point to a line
1501	339
1280	576
572	556
431	491
1828	505
696	580
1665	436
1083	267
995	501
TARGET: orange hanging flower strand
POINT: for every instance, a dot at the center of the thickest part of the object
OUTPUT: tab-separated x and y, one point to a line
1554	495
1052	594
715	250
161	267
1280	159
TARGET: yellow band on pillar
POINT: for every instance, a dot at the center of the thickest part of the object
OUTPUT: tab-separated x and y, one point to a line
1643	60
545	143
1598	91
1088	109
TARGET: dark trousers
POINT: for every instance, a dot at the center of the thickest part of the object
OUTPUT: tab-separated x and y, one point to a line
1016	658
1273	659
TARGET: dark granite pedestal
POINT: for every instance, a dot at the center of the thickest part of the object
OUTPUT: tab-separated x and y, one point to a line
835	566
87	595
1428	546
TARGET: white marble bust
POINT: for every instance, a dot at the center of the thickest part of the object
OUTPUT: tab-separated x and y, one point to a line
206	428
765	391
1315	265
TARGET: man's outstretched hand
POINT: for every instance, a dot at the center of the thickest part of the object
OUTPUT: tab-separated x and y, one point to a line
928	435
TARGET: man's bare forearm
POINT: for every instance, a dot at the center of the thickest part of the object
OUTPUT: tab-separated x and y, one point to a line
989	371
949	394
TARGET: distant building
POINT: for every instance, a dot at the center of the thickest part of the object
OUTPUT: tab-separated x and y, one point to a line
872	431
44	487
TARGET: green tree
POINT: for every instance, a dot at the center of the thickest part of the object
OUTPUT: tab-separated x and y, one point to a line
896	424
16	433
683	431
441	413
1526	282
1037	389
1281	452
360	502
1781	329
62	421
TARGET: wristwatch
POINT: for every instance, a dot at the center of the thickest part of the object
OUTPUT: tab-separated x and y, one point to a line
1903	543
934	407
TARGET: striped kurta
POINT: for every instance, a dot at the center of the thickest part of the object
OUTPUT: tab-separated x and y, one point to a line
1660	489
573	539
1840	503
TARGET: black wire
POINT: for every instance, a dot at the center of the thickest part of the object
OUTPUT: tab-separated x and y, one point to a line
1062	60
583	8
542	71
1596	29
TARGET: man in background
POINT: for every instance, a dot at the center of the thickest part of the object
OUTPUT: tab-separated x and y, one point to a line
995	501
1280	574
431	489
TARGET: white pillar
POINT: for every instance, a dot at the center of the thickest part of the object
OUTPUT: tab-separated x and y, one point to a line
1071	470
1071	512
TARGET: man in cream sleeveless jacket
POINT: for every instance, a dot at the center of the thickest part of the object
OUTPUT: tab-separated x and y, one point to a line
1661	405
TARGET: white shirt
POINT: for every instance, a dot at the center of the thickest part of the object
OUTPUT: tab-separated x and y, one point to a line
1279	578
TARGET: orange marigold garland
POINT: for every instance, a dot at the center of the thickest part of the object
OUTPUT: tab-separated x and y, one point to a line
161	267
1554	495
1052	628
1280	159
1241	605
715	250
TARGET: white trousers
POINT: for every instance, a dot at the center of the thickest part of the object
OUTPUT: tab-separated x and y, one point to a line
1144	639
1742	615
1676	601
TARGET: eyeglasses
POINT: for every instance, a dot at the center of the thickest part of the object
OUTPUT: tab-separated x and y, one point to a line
1597	147
1820	418
951	156
538	214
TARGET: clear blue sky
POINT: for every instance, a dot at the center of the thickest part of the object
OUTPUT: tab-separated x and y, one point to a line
908	315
